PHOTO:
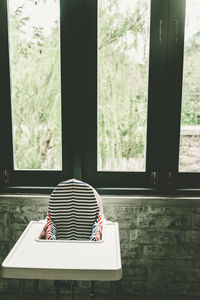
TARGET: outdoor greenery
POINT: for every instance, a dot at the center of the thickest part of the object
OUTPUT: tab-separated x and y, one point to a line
35	78
123	49
122	85
191	79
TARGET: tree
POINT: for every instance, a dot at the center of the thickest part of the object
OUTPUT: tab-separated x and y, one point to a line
35	77
123	62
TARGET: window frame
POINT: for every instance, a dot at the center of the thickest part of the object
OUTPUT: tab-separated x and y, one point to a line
157	54
78	27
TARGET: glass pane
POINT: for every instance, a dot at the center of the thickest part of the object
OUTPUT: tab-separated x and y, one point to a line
34	43
189	159
123	59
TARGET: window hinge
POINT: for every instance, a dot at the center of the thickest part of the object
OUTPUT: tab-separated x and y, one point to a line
169	178
176	23
160	31
154	178
6	177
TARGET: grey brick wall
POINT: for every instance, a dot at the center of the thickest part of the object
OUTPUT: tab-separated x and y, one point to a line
160	241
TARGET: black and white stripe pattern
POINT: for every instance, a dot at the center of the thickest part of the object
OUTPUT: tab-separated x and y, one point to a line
73	209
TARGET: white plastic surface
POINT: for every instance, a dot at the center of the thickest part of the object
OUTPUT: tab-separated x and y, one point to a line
67	260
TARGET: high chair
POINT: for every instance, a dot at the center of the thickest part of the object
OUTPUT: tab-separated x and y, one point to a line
73	243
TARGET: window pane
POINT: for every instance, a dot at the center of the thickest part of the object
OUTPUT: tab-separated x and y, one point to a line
123	57
189	159
34	43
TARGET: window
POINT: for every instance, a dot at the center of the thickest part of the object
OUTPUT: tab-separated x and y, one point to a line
33	148
34	48
123	58
190	110
125	111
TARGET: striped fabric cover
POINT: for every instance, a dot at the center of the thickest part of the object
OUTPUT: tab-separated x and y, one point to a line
75	213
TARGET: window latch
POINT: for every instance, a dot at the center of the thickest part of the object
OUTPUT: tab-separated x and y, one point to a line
160	34
176	23
170	178
6	177
154	178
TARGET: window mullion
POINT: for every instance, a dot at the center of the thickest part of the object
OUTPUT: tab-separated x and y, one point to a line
157	93
89	97
71	76
6	160
174	86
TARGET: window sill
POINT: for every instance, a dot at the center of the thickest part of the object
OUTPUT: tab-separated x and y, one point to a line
107	191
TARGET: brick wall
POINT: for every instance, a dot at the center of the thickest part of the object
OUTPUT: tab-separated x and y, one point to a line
160	241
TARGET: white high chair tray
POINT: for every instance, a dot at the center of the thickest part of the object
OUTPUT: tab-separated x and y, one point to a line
30	259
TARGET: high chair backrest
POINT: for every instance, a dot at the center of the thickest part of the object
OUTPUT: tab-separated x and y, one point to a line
75	212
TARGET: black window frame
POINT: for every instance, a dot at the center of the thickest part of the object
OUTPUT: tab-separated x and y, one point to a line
79	106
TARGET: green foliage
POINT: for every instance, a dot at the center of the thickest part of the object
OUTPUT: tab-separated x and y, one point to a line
122	89
122	86
35	77
191	79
